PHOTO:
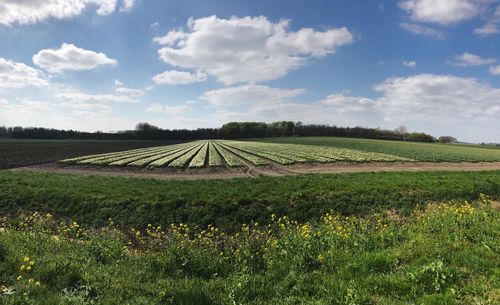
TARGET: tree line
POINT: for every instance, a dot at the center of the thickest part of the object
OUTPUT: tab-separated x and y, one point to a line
232	130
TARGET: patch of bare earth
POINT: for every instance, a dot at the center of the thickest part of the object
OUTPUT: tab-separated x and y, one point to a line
255	171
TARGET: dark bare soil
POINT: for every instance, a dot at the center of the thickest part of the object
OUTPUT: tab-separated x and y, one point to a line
18	153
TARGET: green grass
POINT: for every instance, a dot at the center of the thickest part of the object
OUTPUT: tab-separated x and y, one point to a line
229	203
428	152
444	254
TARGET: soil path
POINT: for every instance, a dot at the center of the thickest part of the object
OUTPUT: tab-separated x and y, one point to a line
255	171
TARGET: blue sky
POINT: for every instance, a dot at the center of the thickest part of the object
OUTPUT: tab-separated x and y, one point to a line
432	65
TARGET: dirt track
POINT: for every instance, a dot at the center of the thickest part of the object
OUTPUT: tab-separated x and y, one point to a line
255	171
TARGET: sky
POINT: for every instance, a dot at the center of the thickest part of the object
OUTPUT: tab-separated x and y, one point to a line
431	65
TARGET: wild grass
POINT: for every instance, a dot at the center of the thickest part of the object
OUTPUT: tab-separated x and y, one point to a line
91	200
441	254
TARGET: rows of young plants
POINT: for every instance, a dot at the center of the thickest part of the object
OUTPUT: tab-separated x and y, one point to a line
220	153
424	152
296	153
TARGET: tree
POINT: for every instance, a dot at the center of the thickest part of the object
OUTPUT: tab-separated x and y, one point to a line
401	130
145	127
447	139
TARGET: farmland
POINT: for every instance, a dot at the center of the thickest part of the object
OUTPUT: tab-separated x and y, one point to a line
423	152
284	151
345	238
17	153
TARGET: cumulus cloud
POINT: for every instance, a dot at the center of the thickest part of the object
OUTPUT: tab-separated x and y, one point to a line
345	103
423	30
495	70
438	104
177	109
120	95
33	11
249	95
247	49
40	113
410	64
18	75
429	96
492	26
70	57
174	77
127	5
443	11
467	59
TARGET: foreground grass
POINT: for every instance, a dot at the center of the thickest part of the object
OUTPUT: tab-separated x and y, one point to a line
91	200
441	254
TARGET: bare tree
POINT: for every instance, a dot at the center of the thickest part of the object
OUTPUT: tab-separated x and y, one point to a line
401	130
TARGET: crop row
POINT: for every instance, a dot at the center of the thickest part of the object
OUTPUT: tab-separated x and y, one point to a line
214	158
296	153
425	152
218	153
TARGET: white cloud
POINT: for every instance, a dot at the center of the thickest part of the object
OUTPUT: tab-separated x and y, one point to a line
127	5
467	59
429	97
177	109
19	75
495	70
70	57
487	29
33	11
118	83
155	108
174	77
39	113
437	104
492	26
171	38
423	30
343	103
410	64
443	11
249	95
130	92
247	49
121	95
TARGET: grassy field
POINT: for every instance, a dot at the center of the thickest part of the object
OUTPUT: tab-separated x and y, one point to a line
229	203
443	254
428	152
16	153
352	238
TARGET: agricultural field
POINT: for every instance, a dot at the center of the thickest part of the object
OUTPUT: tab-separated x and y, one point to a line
19	152
208	159
403	237
218	153
422	152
